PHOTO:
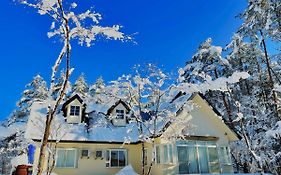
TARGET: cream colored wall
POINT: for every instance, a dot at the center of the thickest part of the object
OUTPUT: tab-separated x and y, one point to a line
159	169
204	122
74	119
94	166
117	122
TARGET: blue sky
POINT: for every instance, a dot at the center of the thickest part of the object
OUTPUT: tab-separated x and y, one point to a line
167	33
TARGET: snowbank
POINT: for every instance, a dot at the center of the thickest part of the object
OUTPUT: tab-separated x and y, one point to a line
128	170
20	160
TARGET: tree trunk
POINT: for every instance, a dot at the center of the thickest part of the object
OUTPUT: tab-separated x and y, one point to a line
226	105
42	155
270	79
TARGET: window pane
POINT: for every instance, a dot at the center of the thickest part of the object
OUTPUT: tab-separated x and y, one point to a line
165	154
120	114
70	158
122	159
203	159
171	153
114	158
215	168
107	155
183	159
77	110
193	164
214	160
60	158
157	151
213	155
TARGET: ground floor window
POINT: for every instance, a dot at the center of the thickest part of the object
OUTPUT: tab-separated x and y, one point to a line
197	157
164	154
225	155
116	158
66	158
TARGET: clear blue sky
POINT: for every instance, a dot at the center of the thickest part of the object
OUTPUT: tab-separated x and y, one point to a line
168	33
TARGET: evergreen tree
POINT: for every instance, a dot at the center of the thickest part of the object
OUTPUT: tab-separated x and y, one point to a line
15	143
36	90
80	87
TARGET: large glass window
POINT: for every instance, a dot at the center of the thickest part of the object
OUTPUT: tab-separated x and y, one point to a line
74	110
116	158
197	157
66	158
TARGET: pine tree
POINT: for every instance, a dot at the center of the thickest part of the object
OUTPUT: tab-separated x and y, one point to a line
15	144
208	64
36	90
81	87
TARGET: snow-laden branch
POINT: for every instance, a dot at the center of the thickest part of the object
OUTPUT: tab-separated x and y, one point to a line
220	84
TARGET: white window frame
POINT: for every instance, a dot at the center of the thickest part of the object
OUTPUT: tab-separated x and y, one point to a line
67	149
108	157
120	115
76	107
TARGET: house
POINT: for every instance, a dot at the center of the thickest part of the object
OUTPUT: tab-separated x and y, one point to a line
101	139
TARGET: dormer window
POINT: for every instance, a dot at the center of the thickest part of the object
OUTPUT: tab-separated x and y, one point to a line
74	111
120	114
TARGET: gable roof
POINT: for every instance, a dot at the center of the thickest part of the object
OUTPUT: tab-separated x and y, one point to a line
76	96
116	104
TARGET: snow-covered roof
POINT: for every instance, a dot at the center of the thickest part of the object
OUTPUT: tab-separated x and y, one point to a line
99	131
99	127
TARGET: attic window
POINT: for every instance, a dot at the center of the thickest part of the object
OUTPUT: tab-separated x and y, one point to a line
120	114
75	110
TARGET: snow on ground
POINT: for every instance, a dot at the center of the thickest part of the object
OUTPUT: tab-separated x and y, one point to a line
20	160
128	170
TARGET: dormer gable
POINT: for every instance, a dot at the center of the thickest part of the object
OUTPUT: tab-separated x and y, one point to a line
74	110
119	113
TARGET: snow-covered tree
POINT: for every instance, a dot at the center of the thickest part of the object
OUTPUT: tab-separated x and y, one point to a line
207	64
150	95
80	87
97	87
58	85
67	24
14	143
